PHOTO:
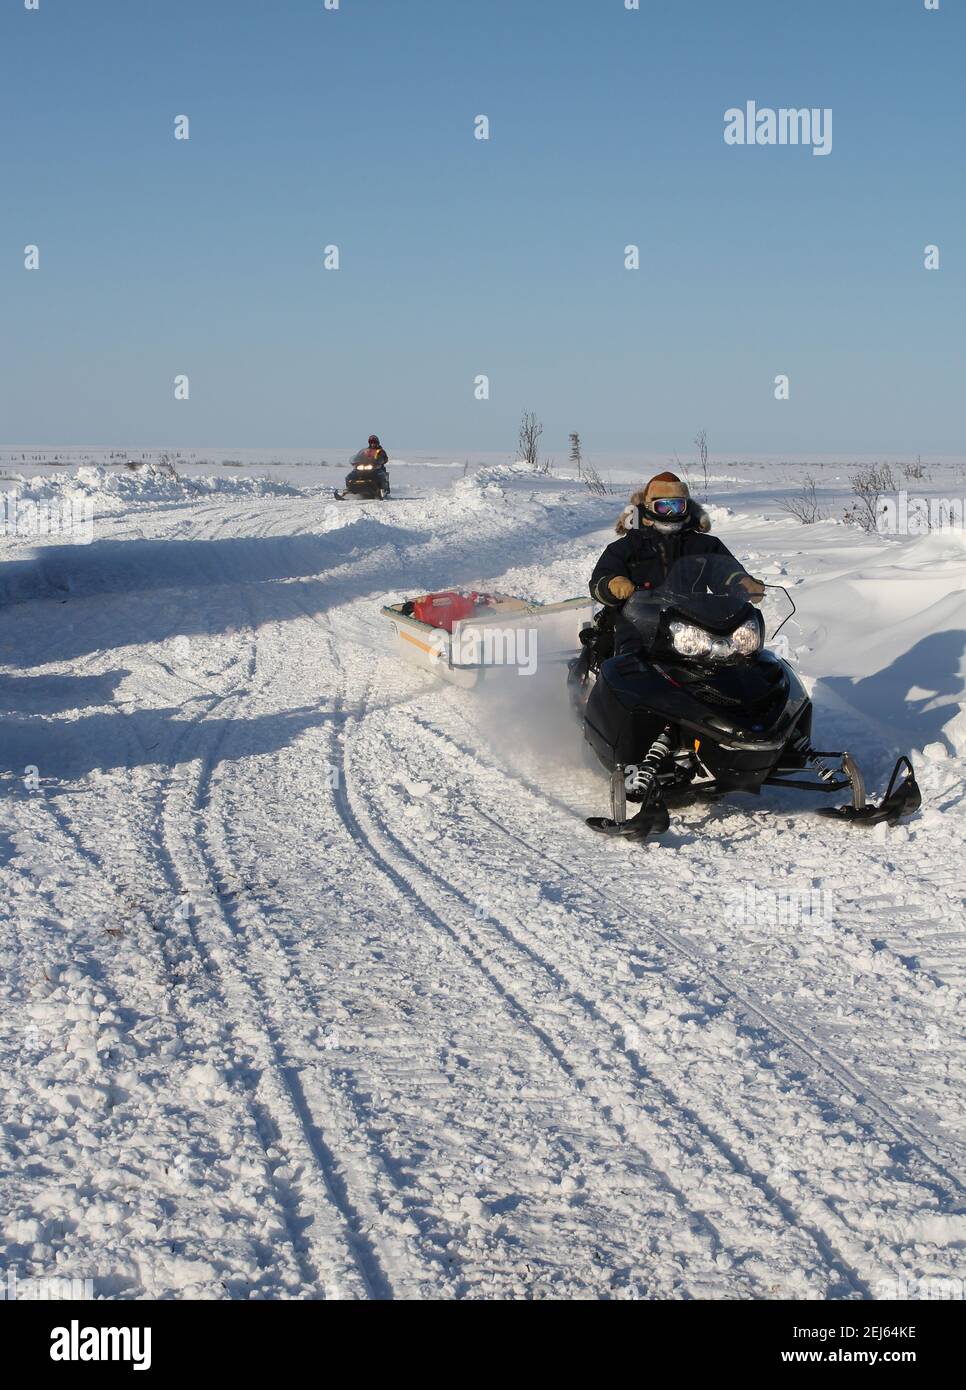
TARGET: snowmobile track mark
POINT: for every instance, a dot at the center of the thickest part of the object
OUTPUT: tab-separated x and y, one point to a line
863	1093
412	879
284	1101
361	1211
273	1108
921	1168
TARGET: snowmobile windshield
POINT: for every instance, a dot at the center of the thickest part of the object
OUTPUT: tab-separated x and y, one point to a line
701	609
365	458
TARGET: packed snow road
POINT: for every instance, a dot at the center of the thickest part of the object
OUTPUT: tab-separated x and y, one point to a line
316	985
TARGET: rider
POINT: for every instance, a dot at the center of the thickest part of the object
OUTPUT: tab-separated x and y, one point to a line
377	452
661	526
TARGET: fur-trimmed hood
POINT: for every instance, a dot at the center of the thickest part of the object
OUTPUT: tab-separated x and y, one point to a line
698	519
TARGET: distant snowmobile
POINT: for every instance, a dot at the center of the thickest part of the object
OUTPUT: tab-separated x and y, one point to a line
695	706
368	477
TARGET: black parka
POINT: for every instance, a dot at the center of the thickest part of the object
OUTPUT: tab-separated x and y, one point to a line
646	557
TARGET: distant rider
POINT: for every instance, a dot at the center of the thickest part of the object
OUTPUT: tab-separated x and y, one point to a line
378	453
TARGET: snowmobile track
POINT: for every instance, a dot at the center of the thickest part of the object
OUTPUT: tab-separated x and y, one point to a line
360	1201
276	1104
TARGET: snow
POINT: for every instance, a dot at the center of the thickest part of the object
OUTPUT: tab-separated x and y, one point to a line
313	983
112	488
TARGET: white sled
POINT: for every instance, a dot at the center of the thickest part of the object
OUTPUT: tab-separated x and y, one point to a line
505	632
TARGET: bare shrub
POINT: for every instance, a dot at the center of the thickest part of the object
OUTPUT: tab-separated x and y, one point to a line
529	438
701	439
868	485
682	470
593	481
576	457
803	504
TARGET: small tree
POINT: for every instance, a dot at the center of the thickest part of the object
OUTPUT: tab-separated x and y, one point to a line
868	485
701	439
803	504
594	482
575	455
682	470
530	432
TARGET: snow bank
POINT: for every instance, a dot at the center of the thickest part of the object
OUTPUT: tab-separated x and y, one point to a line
111	489
955	731
521	485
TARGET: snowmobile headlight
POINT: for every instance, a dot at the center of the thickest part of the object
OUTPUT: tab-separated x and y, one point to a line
689	640
363	466
747	638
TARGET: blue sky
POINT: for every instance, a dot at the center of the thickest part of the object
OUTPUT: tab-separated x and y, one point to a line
463	257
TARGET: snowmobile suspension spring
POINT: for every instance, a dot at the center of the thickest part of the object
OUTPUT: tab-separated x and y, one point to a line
642	776
828	774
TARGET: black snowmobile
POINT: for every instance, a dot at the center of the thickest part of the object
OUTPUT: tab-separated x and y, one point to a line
368	477
690	704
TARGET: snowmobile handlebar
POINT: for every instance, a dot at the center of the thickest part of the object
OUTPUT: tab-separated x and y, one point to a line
788	617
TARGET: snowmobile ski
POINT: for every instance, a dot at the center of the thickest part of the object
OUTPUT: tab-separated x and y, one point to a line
642	782
900	801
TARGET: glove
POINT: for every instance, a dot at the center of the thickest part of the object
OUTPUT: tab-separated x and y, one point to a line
754	588
620	587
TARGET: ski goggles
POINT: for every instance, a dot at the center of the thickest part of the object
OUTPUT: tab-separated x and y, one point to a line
668	506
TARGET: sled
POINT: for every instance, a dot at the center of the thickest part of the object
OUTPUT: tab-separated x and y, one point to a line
503	631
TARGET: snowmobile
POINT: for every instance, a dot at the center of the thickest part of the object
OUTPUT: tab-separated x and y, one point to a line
682	701
367	478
